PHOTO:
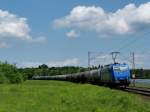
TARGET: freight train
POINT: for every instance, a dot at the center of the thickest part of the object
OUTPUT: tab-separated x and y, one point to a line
111	75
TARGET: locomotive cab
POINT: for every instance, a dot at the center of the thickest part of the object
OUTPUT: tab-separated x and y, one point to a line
121	74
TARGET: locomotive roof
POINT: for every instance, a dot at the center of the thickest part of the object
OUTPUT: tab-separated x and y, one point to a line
114	64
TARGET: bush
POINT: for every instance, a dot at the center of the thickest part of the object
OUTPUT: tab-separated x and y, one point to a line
10	74
3	78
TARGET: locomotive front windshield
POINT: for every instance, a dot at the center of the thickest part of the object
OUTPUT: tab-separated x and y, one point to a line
121	68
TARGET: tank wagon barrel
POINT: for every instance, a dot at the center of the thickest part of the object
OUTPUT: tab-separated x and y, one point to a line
76	77
58	77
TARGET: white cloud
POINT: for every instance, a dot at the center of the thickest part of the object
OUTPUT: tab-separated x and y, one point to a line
130	19
38	40
67	62
4	45
72	34
13	26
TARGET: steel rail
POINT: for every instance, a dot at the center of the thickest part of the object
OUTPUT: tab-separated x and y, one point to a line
137	90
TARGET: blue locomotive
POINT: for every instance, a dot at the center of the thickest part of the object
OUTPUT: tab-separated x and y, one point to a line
111	75
115	74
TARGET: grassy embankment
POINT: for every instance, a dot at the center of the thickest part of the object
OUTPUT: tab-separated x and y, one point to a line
55	96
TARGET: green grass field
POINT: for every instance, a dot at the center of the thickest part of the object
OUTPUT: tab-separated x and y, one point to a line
55	96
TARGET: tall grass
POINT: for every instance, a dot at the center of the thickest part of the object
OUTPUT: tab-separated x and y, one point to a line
55	96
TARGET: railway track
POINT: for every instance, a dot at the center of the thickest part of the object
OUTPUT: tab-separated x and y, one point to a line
138	90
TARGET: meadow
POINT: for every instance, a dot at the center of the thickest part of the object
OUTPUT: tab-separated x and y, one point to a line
59	96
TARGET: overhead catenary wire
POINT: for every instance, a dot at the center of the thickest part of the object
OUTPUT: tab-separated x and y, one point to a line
129	43
132	42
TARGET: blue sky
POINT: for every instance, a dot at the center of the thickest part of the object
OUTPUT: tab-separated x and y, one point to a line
62	32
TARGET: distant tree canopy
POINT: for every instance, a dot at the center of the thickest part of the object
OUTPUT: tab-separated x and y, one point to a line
11	74
44	70
43	66
141	73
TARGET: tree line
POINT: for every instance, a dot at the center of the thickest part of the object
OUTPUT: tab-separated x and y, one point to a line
11	74
141	73
44	70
